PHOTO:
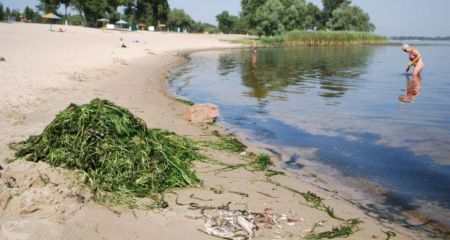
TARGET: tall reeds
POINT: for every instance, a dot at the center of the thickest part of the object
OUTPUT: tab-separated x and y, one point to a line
323	38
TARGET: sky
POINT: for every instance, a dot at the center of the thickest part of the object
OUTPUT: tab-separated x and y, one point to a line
391	17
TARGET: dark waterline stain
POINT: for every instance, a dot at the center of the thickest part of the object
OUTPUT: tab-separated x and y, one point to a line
396	168
363	85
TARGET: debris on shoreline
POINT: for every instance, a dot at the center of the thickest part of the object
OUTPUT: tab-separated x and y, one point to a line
202	113
242	224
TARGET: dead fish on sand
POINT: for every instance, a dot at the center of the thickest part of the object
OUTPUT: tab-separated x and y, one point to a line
240	224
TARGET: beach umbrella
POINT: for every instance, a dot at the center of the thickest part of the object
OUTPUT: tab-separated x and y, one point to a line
162	27
121	23
51	17
103	21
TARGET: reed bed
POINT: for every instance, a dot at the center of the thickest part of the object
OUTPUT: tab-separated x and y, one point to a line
121	158
324	38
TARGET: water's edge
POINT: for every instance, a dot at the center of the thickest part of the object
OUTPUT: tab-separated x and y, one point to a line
367	195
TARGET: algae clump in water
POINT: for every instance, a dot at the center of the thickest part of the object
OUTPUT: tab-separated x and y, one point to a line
121	157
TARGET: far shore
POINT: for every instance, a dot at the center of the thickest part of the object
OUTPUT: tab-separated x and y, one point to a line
45	71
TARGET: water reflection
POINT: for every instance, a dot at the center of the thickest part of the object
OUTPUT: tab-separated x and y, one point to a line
343	102
413	86
254	59
336	70
227	64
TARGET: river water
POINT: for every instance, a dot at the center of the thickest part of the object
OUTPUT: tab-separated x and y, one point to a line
348	113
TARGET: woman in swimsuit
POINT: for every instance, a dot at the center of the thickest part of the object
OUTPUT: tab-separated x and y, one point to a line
415	59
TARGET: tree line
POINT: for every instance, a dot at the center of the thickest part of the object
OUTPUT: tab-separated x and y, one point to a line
422	38
87	12
257	17
270	17
150	12
6	13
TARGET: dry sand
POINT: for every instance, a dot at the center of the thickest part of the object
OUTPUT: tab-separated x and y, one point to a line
45	71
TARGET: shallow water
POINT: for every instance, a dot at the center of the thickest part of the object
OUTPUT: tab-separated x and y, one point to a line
349	108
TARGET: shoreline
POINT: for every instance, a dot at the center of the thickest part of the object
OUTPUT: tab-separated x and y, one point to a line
363	193
139	83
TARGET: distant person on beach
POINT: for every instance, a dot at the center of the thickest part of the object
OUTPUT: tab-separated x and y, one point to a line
415	59
123	44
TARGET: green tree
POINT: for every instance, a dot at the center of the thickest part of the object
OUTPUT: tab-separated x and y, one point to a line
226	22
47	6
294	14
113	16
240	26
313	17
28	14
328	8
7	12
151	12
179	18
200	27
2	13
160	11
15	14
248	14
74	19
269	18
350	18
140	11
91	10
66	4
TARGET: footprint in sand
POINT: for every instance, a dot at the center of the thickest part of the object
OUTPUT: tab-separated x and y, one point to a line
80	77
120	61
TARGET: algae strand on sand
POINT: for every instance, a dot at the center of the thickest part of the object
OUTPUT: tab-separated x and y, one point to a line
121	157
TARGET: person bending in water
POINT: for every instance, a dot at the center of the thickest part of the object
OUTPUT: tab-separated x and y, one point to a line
415	59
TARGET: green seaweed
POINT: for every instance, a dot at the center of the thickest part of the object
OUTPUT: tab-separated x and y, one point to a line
242	194
216	190
342	231
186	102
261	162
226	143
121	158
311	198
389	234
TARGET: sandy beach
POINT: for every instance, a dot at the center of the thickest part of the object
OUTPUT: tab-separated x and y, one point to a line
45	71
